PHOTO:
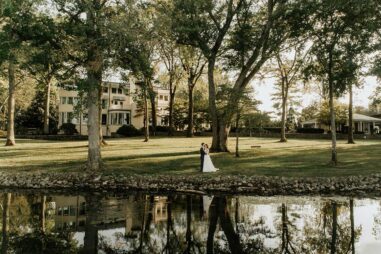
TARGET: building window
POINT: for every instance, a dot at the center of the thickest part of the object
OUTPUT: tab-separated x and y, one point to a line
104	104
120	118
121	103
104	119
70	100
113	90
161	97
127	91
120	91
63	100
63	117
70	117
166	98
105	89
127	118
115	102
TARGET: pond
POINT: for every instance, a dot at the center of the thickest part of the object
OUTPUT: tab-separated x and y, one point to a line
179	223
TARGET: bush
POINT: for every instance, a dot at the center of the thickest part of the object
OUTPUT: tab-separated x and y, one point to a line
128	131
359	132
160	128
310	130
68	129
273	129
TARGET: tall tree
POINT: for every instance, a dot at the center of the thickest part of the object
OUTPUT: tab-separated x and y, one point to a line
289	64
45	59
193	64
13	15
242	35
87	32
134	52
169	52
333	25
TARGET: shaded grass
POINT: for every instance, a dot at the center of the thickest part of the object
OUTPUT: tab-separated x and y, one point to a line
179	156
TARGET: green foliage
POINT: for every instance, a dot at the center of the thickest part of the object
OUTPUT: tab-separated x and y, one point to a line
128	131
376	97
68	129
340	31
341	113
38	242
310	130
33	116
310	112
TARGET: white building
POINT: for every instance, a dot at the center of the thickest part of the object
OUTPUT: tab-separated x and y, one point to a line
118	107
361	123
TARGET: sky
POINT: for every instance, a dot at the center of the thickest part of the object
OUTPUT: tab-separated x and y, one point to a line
265	89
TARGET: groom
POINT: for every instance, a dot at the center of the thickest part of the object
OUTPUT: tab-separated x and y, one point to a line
202	155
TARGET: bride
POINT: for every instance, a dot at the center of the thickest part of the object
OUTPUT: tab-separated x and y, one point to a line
208	164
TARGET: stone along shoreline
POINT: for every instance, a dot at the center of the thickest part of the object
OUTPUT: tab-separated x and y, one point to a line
198	184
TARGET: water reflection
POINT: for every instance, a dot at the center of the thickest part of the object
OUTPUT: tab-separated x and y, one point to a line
141	223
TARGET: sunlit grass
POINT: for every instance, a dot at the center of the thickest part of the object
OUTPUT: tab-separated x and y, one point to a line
179	156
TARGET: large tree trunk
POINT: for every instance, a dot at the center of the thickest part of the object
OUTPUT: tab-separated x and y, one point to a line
353	237
190	110
237	136
223	133
94	68
47	106
146	117
188	234
5	229
100	93
213	107
171	104
213	219
90	242
152	98
332	113
42	214
284	105
227	226
94	149
334	228
11	105
350	116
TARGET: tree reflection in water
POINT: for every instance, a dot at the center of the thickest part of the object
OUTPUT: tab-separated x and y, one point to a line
184	224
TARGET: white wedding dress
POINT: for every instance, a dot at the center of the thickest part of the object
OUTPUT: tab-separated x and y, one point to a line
208	164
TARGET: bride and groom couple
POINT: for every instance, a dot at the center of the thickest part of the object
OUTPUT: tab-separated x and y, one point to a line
206	161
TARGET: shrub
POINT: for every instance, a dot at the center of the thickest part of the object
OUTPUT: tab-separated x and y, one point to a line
3	134
310	130
128	131
69	129
273	129
359	132
160	128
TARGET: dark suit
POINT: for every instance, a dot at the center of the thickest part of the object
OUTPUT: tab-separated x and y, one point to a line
202	155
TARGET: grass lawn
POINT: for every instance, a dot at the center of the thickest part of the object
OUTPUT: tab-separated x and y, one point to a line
181	156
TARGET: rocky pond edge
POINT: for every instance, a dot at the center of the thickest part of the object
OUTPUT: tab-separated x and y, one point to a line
195	184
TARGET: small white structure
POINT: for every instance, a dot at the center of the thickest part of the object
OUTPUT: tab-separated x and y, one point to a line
361	123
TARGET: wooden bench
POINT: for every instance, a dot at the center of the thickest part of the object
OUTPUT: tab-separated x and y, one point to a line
255	146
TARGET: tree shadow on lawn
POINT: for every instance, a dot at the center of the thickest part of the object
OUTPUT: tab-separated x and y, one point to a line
357	160
312	162
147	156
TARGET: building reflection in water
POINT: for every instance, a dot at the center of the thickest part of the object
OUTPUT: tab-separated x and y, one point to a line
142	223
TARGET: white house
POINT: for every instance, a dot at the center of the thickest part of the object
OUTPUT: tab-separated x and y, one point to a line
118	107
361	123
